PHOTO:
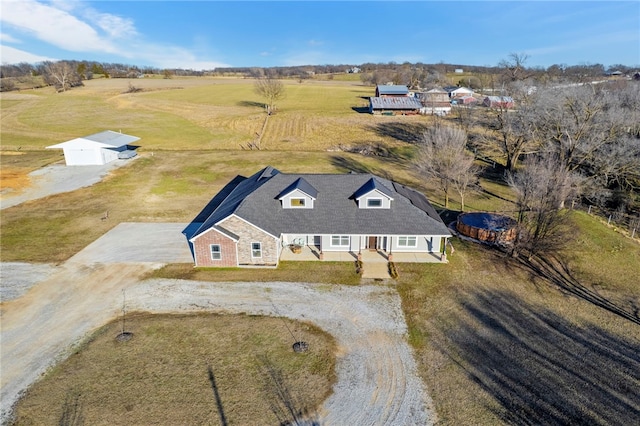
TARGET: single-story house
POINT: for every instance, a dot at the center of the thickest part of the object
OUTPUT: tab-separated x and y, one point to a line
97	149
498	102
383	90
435	101
394	105
252	220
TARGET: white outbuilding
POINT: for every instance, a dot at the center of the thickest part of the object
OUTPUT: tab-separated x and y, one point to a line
97	149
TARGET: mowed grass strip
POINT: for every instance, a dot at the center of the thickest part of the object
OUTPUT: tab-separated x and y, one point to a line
343	273
166	373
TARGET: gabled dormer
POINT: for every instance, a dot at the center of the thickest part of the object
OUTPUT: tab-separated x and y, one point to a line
299	195
373	195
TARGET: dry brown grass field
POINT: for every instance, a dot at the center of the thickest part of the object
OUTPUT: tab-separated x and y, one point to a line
497	341
172	367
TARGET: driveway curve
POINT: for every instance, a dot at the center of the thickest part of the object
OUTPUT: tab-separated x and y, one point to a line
377	381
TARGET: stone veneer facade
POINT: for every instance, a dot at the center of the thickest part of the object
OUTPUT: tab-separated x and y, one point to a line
248	234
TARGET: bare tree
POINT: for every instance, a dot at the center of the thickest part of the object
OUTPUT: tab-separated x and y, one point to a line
541	188
61	75
584	127
514	66
270	88
444	159
514	128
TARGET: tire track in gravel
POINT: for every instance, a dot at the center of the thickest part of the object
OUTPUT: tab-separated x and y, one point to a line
377	382
377	377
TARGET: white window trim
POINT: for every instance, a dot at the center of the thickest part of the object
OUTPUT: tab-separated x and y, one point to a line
303	206
407	245
381	206
219	251
252	250
348	244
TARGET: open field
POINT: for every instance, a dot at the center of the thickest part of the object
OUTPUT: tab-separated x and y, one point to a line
497	341
179	114
175	367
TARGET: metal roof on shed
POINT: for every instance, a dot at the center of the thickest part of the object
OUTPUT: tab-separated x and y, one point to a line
395	103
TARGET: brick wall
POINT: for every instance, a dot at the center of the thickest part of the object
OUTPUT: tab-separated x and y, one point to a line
250	234
202	249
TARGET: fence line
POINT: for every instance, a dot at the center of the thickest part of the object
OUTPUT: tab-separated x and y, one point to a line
616	218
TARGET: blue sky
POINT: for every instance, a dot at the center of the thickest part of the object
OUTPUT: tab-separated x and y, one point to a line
208	34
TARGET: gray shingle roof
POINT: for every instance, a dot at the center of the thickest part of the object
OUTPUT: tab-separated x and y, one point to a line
335	210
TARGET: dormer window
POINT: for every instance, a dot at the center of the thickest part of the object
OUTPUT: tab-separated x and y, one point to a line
373	203
373	195
299	195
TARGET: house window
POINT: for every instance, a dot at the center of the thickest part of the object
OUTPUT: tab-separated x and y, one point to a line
374	202
407	241
256	249
297	202
216	253
340	241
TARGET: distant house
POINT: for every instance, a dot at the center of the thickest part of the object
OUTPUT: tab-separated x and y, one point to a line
434	102
97	149
394	105
384	90
253	220
460	92
458	71
498	102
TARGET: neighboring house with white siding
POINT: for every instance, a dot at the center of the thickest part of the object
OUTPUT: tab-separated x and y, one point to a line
252	220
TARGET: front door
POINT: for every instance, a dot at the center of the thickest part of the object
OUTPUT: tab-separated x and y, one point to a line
373	243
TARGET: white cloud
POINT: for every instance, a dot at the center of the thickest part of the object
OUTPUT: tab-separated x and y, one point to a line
8	38
75	27
10	55
54	26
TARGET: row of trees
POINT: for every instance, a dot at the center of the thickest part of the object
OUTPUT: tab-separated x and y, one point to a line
563	143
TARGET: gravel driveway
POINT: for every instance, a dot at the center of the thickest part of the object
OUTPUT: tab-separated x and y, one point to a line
59	178
377	378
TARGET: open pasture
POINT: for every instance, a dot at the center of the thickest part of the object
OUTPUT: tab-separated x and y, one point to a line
189	113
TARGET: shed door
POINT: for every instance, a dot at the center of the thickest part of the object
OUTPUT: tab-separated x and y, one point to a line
78	157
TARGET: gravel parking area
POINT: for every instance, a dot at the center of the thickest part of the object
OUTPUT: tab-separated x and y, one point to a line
138	243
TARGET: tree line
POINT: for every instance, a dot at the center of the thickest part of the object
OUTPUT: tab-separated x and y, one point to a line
413	75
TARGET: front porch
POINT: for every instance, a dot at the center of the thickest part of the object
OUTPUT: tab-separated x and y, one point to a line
310	253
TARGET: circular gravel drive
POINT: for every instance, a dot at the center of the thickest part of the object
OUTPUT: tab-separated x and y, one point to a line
377	381
377	377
